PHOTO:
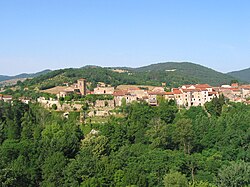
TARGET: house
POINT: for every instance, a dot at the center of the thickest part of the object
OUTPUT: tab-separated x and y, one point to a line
245	90
24	100
178	96
234	85
158	89
66	92
6	98
124	94
152	97
104	90
169	96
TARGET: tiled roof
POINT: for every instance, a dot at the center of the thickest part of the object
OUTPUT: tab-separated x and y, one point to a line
234	89
203	86
169	93
120	93
177	91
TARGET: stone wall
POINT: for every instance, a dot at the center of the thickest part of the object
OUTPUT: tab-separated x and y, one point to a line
104	103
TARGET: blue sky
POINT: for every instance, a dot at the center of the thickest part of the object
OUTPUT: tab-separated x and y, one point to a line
42	34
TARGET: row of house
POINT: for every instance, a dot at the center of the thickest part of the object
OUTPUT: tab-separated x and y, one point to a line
186	95
235	92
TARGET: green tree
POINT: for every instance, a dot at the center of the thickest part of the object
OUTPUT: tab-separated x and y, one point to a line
175	179
235	174
54	107
184	134
53	170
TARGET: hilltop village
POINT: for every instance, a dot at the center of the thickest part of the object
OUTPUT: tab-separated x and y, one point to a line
184	96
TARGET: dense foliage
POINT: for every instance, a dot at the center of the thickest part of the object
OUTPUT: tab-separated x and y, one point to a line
149	146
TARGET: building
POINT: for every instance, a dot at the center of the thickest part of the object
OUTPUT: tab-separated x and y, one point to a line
104	90
25	100
82	86
5	98
153	95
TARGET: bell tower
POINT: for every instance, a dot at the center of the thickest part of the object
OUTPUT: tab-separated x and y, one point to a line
82	86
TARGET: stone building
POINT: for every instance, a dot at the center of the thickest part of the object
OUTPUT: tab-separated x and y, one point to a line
82	86
104	90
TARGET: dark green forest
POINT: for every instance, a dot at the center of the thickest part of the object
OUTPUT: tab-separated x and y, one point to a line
149	146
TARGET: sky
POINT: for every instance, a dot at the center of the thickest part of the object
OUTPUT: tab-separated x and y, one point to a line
53	34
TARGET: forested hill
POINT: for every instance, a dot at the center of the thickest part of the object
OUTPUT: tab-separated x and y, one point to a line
174	74
23	75
242	74
186	69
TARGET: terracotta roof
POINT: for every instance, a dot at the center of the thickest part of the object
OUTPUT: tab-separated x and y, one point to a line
245	86
203	86
203	89
191	90
120	93
177	91
169	93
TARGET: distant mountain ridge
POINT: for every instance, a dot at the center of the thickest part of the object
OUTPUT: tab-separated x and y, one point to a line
174	74
241	74
23	75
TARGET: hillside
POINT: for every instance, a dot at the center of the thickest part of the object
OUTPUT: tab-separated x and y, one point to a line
242	74
23	75
189	70
4	77
174	74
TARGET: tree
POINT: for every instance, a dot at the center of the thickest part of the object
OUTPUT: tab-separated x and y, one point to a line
52	170
214	107
54	107
27	126
175	179
158	133
184	134
235	174
167	110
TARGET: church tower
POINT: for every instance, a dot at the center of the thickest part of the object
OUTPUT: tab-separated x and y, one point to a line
82	86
